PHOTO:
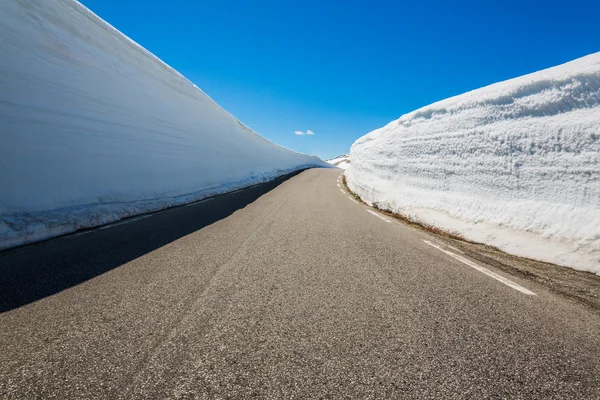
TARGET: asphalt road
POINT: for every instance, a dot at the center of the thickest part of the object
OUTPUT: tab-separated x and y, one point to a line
285	290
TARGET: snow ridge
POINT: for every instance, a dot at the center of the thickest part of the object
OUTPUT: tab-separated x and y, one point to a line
515	164
342	161
96	128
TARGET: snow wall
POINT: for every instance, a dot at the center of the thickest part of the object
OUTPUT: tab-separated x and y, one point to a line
515	165
94	128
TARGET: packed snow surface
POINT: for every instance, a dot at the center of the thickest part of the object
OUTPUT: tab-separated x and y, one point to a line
95	128
515	165
341	161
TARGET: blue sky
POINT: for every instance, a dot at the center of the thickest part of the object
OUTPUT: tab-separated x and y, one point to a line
343	68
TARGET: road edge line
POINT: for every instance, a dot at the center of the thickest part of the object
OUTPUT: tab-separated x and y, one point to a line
379	216
485	271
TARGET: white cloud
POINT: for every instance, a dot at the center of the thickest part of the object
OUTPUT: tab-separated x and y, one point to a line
308	132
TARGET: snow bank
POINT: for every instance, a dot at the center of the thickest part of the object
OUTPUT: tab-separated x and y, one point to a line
341	161
95	128
515	165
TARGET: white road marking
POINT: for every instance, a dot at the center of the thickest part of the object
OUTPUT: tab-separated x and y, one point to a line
133	219
341	190
125	221
353	199
483	270
339	186
455	249
199	201
379	216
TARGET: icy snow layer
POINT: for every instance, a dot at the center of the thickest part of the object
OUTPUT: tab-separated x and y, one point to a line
94	128
342	161
515	165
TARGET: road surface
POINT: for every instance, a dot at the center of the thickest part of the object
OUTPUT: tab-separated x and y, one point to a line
286	290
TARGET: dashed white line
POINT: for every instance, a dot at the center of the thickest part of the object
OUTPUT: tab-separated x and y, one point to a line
353	199
483	270
341	190
379	216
